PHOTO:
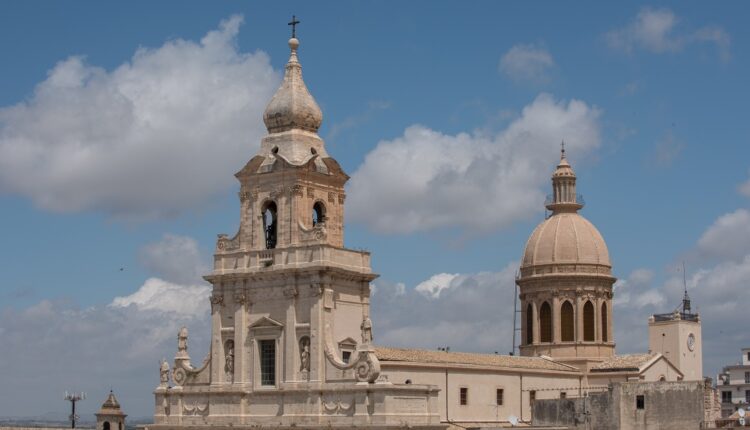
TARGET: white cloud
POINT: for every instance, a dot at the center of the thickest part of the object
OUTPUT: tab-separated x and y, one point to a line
437	283
527	63
151	138
655	30
57	346
728	237
159	295
174	258
473	314
426	179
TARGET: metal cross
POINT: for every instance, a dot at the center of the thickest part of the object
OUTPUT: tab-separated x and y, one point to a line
294	25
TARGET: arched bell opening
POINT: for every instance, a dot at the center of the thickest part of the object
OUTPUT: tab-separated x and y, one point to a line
588	321
270	222
529	324
567	324
545	323
318	213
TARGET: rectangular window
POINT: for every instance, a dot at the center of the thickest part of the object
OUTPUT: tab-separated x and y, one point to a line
346	355
563	395
532	396
748	356
268	362
726	397
640	402
499	396
464	396
747	377
747	396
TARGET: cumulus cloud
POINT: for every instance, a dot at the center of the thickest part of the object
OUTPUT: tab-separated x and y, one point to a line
471	313
655	30
426	179
728	237
151	138
159	295
527	63
175	258
58	346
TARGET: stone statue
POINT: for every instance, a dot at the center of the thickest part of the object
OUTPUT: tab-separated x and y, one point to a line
164	373
182	341
229	361
304	354
366	328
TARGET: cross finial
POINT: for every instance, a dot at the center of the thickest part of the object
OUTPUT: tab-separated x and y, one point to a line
562	149
294	23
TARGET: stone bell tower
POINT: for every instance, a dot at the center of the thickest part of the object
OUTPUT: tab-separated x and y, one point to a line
110	416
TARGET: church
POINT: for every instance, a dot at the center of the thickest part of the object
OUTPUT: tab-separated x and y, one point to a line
291	338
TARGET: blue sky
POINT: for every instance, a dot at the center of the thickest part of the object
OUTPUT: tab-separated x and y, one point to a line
650	98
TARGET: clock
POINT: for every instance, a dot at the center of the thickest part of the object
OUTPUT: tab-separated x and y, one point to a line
691	341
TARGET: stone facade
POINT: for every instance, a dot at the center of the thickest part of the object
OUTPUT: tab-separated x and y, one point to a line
628	406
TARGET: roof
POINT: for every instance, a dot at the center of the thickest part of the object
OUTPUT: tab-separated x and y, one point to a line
110	406
624	362
424	356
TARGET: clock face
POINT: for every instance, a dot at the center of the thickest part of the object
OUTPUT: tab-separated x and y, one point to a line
691	341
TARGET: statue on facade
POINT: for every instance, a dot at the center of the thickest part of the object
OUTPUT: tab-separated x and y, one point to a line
366	328
163	373
304	354
182	342
229	361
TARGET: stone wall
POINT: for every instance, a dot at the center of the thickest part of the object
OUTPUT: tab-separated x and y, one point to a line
664	406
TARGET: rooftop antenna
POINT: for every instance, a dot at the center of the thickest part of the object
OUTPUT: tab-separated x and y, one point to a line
685	298
73	398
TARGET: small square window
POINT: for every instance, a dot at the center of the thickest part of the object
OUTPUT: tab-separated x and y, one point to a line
563	395
346	356
640	402
499	396
464	396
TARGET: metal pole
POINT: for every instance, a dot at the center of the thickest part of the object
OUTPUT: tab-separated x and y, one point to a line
73	414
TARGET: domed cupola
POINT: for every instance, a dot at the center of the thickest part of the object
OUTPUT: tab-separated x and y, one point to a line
292	107
565	279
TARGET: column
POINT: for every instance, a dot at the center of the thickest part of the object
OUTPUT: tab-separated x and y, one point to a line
536	322
241	371
290	353
579	317
217	347
556	326
598	318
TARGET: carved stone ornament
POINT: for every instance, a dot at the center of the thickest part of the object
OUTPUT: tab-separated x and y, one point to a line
341	198
296	190
367	369
179	376
240	298
290	291
310	192
217	299
244	196
337	406
195	408
332	197
163	373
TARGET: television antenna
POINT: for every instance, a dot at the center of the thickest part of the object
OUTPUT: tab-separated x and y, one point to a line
741	413
73	398
513	420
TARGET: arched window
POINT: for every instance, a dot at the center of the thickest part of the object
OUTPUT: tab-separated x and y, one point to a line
567	326
319	213
269	224
604	322
545	323
588	321
529	324
106	425
119	426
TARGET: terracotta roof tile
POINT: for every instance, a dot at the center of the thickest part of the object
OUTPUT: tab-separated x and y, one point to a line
487	360
623	362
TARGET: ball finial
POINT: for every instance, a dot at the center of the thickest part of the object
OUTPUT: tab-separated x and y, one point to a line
293	43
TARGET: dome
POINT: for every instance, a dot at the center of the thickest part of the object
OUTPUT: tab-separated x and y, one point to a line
292	107
566	238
